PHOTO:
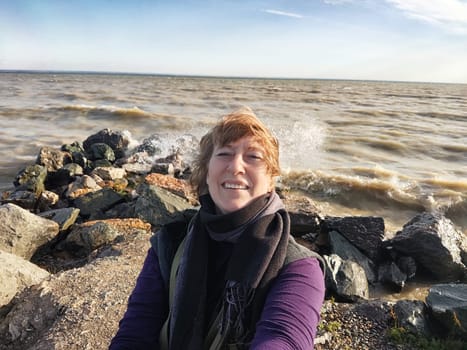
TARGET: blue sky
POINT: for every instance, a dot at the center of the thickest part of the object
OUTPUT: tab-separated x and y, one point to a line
408	40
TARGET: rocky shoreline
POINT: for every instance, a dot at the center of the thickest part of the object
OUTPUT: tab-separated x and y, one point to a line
75	231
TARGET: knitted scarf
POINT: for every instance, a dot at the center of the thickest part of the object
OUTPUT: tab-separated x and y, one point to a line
260	233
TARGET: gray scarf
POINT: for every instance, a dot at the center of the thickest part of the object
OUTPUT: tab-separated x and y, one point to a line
260	233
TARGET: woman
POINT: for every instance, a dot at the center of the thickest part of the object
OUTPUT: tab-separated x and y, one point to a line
233	278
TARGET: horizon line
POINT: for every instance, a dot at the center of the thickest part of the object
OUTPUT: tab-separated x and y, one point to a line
96	72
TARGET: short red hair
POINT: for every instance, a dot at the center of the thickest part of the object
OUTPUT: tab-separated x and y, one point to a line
230	128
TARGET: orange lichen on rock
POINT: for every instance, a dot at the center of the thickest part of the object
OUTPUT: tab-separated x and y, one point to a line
123	224
176	186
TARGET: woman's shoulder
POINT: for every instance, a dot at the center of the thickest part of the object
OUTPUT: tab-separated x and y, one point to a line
165	242
171	234
296	251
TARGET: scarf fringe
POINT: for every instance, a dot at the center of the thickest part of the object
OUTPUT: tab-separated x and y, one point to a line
237	299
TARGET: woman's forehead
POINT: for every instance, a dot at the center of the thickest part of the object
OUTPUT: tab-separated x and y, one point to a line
251	141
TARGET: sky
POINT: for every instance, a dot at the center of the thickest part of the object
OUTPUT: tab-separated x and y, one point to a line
397	40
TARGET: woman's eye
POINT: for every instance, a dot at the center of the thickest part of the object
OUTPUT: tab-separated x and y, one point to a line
222	154
255	157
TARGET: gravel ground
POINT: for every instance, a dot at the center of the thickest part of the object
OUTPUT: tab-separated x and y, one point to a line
80	308
355	326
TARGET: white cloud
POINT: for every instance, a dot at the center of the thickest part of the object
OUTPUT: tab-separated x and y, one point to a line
282	13
450	14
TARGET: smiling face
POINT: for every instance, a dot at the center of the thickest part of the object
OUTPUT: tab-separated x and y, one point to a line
237	174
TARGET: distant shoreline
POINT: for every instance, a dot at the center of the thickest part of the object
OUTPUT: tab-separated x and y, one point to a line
195	76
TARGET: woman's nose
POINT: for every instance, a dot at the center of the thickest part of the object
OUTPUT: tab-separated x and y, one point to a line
236	164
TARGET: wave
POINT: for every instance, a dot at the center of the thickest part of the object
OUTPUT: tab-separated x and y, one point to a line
356	191
113	111
453	185
385	145
378	189
455	148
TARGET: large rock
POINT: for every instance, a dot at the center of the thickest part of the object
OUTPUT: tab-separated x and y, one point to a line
82	240
52	159
25	199
365	232
391	275
152	145
345	278
412	316
436	245
347	251
22	232
17	274
109	173
305	217
159	206
176	186
85	238
31	179
82	185
94	204
101	151
64	217
118	141
447	304
63	176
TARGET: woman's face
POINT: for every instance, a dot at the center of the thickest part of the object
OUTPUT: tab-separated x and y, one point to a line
237	174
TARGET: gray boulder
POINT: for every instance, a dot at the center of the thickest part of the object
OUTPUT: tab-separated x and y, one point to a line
412	316
83	184
118	141
407	265
31	179
159	206
64	217
163	168
22	232
346	278
152	145
365	232
83	239
436	245
447	304
53	159
347	251
93	204
109	173
137	168
305	217
17	274
390	275
22	198
101	151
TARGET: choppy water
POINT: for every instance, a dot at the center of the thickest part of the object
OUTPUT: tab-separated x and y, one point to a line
356	147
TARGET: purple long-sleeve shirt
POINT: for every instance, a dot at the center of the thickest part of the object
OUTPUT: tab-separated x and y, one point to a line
289	319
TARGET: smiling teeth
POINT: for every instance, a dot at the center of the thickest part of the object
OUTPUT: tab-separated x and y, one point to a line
235	186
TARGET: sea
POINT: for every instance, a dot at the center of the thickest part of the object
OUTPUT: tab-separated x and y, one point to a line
378	148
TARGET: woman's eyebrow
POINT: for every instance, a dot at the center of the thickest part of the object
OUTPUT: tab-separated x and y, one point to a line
256	147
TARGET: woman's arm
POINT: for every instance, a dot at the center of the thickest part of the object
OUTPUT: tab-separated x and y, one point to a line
292	308
146	312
